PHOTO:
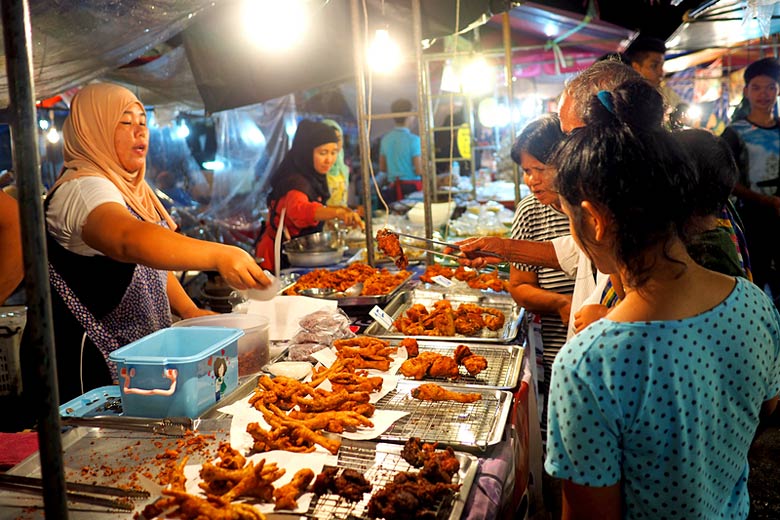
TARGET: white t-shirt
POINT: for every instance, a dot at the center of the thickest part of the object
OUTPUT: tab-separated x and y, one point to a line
576	264
70	206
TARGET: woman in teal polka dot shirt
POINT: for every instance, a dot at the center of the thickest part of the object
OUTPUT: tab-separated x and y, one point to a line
653	408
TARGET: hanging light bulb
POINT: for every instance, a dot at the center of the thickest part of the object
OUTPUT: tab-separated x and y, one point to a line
384	56
53	136
43	124
275	26
477	77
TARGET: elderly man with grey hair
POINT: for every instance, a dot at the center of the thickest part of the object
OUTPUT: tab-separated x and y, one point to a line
561	253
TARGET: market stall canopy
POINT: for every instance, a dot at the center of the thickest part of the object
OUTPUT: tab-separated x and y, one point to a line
726	28
137	42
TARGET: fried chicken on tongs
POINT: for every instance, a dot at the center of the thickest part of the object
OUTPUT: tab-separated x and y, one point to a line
389	244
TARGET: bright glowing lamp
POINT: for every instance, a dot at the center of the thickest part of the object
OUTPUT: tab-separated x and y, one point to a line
182	131
477	77
53	136
43	124
275	26
384	56
492	114
214	166
694	113
449	79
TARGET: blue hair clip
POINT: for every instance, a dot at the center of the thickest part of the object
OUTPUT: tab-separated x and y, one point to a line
606	99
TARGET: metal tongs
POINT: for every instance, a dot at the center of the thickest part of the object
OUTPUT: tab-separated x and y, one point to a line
445	244
77	492
173	426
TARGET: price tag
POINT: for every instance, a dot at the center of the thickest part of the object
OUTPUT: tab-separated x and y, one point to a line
443	280
382	317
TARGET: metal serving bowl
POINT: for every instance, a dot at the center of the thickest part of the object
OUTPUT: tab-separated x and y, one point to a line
323	241
314	258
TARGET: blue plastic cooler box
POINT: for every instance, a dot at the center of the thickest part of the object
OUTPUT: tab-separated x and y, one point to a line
177	371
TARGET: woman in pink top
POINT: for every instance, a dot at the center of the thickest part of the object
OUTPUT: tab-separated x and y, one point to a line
300	186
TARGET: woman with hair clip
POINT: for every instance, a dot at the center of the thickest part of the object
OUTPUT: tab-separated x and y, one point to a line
653	408
299	187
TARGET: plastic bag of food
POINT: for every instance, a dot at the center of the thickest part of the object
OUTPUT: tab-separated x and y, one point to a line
330	321
303	351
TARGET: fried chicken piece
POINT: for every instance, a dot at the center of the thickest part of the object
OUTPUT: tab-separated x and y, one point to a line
351	485
469	324
444	366
433	392
416	312
464	275
413	453
475	364
409	495
412	349
461	353
230	458
439	466
417	368
494	318
435	270
286	497
324	481
388	243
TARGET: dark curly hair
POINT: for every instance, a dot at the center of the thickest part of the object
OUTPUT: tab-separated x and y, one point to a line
716	170
624	161
538	138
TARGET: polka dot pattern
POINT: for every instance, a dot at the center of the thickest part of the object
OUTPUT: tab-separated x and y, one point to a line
144	309
667	408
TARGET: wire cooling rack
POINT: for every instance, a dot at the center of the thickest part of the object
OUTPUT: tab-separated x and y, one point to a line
503	370
380	463
467	426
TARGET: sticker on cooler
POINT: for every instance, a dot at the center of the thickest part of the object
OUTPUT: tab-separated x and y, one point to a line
381	317
443	281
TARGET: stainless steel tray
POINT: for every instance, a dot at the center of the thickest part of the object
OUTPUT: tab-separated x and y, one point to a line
471	426
380	463
362	300
114	458
505	364
398	305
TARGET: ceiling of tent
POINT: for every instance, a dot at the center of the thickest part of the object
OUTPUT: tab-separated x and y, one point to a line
184	52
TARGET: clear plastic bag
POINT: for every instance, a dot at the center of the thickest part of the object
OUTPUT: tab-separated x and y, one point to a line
318	330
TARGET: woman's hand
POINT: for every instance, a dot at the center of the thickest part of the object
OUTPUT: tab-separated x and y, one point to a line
240	270
588	314
477	252
196	312
350	218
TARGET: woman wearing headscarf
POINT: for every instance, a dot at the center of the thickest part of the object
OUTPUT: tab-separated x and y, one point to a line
299	187
338	175
112	245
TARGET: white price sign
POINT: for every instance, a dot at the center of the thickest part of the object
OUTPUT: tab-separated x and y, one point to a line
443	281
382	317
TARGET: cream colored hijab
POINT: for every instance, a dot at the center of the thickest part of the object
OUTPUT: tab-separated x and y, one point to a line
88	137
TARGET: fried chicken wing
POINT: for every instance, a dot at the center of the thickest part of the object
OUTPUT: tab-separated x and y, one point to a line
412	349
433	392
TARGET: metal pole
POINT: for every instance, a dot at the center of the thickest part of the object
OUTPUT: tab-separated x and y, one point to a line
362	120
18	52
510	94
422	120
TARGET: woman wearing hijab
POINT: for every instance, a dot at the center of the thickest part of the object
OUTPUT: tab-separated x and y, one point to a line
338	175
299	186
112	245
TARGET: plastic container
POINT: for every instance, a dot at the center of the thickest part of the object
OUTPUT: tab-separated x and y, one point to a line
440	213
177	371
252	347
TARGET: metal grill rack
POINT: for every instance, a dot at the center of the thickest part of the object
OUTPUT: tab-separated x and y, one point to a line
467	426
503	370
380	464
402	302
